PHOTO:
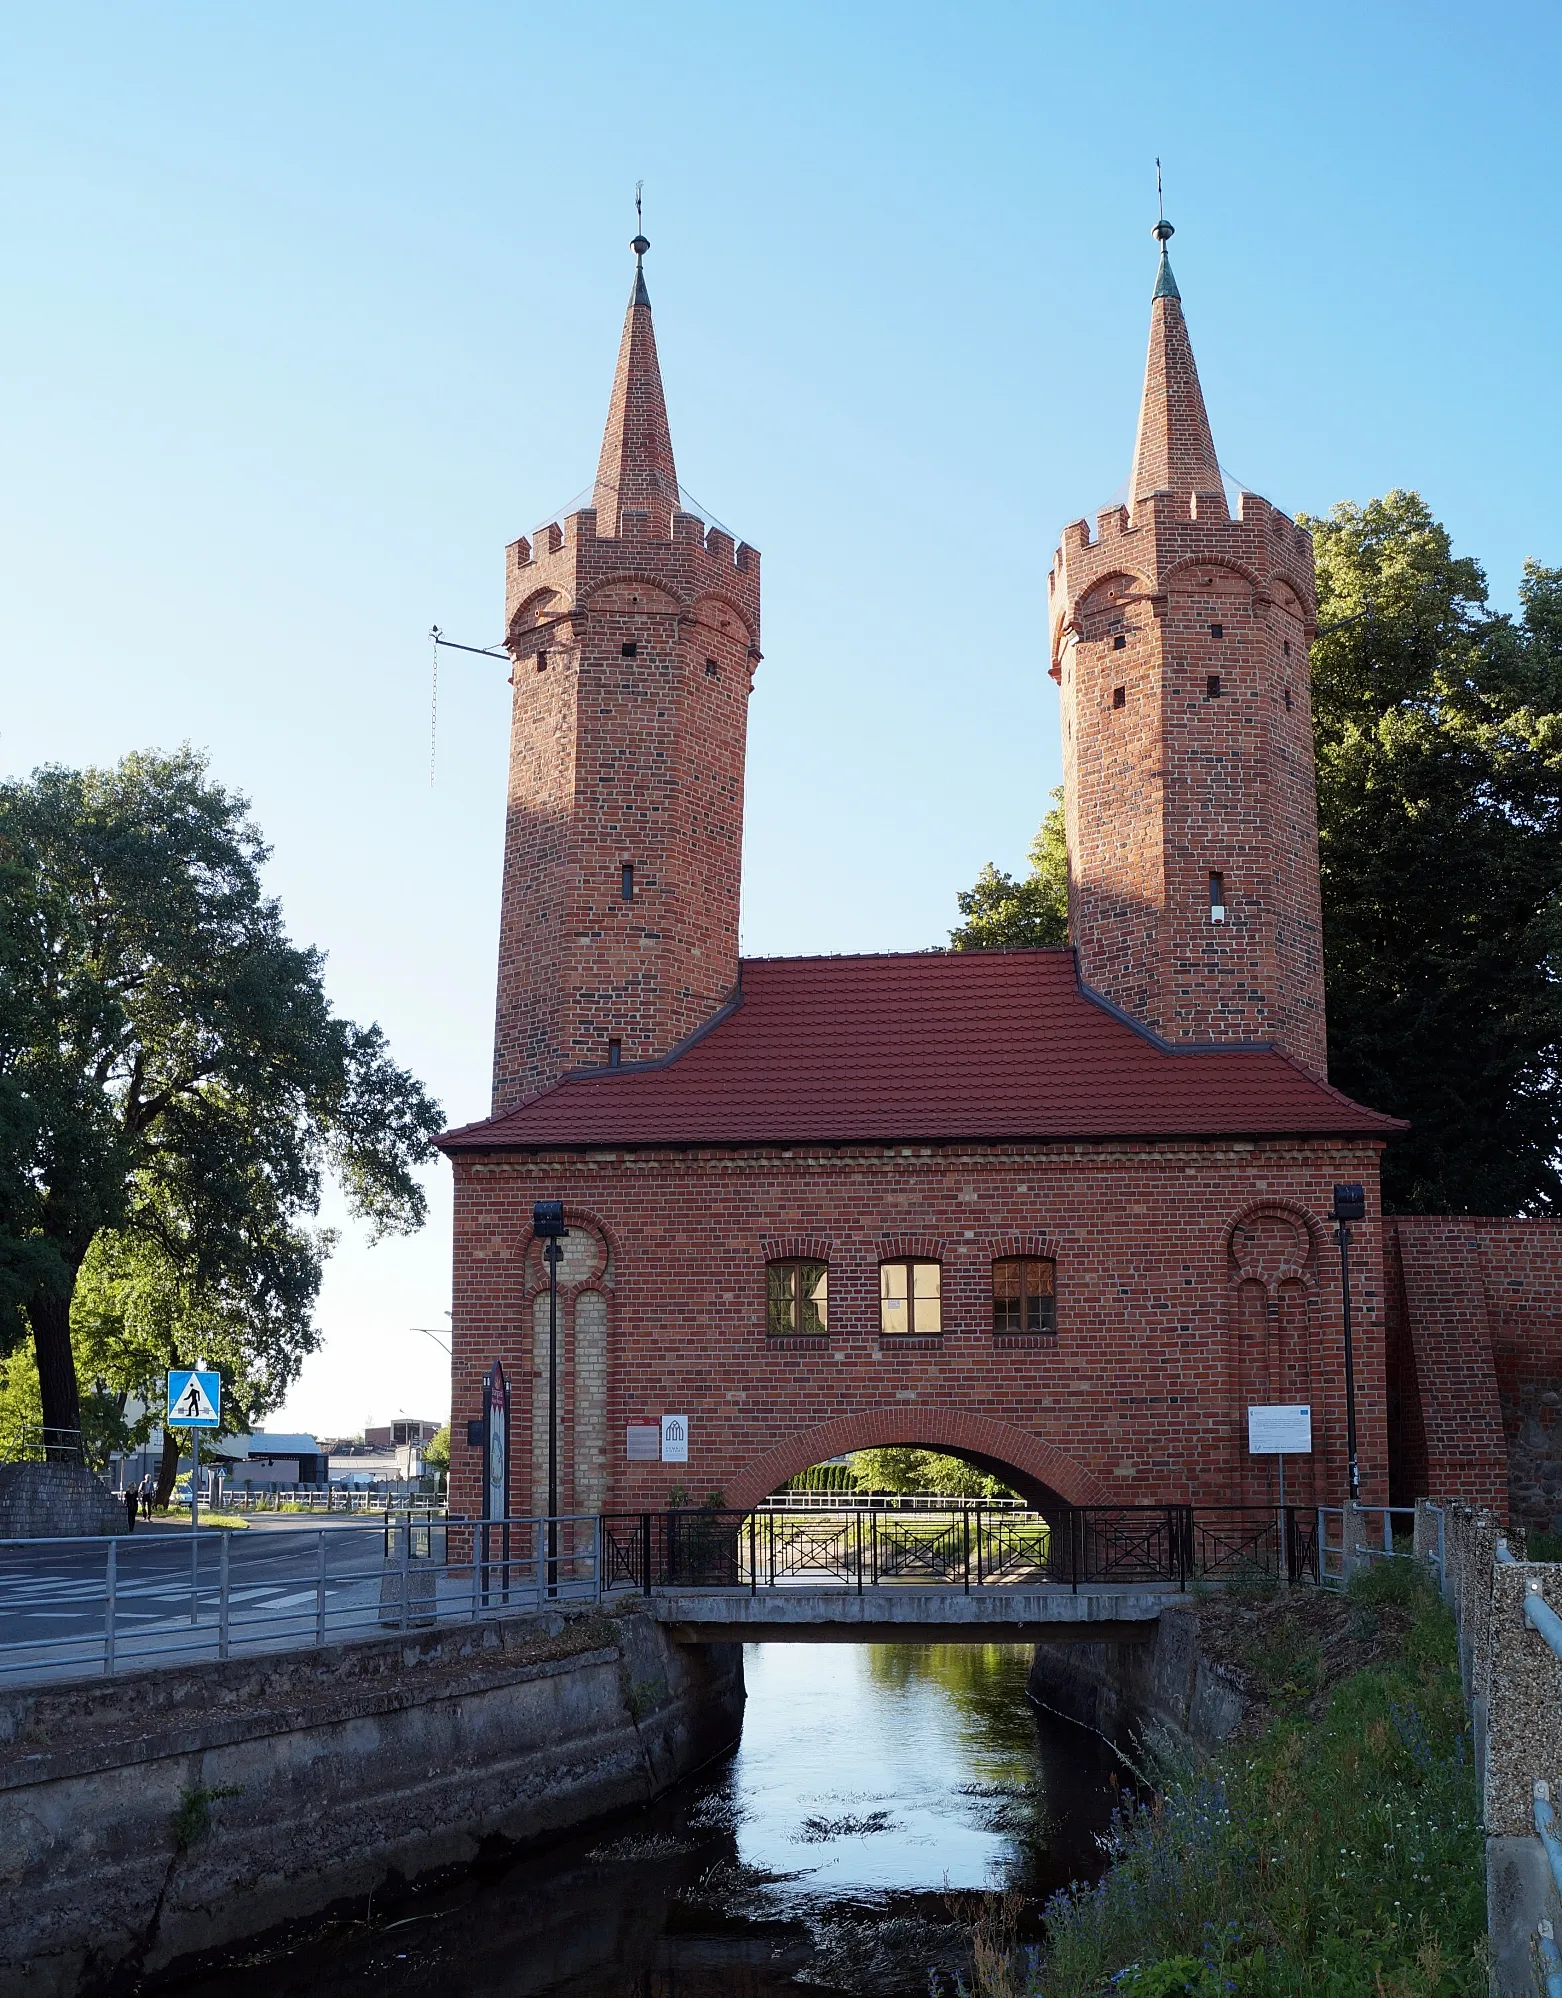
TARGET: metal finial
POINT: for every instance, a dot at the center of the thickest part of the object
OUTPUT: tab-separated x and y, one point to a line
1163	229
639	245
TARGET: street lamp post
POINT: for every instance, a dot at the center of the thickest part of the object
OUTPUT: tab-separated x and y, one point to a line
548	1226
1350	1204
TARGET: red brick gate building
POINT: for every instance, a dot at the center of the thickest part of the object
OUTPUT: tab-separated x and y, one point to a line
1060	1212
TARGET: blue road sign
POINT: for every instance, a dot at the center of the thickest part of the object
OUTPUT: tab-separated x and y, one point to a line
194	1399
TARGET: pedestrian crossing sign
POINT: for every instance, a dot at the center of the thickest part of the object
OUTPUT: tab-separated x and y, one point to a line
193	1399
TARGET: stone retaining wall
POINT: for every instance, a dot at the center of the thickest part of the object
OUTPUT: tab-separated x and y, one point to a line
1165	1686
158	1816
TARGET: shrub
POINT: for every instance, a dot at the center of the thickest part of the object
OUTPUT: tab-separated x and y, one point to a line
1342	1857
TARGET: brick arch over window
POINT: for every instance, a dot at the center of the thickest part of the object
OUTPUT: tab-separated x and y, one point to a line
926	1248
1037	1468
999	1246
795	1248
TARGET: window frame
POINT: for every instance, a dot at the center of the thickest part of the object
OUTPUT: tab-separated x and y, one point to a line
797	1298
1047	1326
911	1264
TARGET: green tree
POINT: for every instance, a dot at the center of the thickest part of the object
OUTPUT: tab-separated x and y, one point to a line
437	1455
173	1079
900	1467
1439	733
1004	914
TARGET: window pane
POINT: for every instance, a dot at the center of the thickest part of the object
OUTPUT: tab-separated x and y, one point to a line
1008	1272
779	1314
1006	1314
814	1283
894	1315
926	1283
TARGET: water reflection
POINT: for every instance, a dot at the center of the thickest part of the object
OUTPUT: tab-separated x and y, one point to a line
873	1784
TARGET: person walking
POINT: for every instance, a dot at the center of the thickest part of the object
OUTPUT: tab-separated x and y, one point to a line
132	1506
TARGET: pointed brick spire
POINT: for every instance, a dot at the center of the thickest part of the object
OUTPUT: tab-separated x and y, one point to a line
636	469
1175	452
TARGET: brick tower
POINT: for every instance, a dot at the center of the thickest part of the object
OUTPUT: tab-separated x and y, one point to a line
1179	640
634	633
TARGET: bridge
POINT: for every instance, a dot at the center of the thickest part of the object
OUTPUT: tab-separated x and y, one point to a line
960	1573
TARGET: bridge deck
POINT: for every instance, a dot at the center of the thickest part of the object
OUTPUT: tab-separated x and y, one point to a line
902	1615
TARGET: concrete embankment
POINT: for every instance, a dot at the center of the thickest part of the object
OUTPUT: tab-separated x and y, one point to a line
1165	1687
157	1817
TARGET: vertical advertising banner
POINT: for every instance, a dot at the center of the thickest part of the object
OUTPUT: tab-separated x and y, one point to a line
496	1456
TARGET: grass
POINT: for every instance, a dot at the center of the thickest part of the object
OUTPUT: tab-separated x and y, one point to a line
180	1515
1336	1853
1542	1546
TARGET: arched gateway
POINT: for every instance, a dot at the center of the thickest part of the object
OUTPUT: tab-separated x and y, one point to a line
1035	1469
953	1199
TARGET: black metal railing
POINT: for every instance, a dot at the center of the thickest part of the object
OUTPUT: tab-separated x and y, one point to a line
963	1546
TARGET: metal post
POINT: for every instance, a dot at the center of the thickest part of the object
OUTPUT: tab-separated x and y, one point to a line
406	1573
551	1252
1285	1554
222	1595
645	1550
753	1555
1343	1233
320	1583
110	1581
858	1518
965	1535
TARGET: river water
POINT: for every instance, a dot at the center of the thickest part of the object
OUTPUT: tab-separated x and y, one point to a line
875	1791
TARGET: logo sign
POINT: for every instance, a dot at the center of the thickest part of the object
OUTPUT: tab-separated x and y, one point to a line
194	1399
643	1439
675	1439
1282	1429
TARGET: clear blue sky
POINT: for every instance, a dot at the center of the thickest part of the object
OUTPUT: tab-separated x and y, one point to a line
312	308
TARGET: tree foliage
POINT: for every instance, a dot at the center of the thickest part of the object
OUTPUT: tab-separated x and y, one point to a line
1439	733
173	1086
1004	914
902	1468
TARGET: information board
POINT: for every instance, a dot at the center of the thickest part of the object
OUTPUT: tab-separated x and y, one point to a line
1280	1429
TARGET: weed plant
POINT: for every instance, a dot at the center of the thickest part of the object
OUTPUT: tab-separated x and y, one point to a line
1335	1855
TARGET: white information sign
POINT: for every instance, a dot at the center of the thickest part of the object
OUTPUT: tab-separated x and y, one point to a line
193	1399
1280	1429
675	1439
643	1439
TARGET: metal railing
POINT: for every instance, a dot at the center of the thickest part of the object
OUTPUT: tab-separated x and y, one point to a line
964	1546
1543	1619
38	1442
1356	1535
854	1501
77	1607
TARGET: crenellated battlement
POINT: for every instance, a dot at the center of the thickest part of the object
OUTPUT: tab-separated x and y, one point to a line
688	561
1164	533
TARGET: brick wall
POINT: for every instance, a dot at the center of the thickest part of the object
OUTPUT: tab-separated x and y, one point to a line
1475	1338
1191	1279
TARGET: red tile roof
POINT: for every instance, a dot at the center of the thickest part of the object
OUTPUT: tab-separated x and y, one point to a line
939	1046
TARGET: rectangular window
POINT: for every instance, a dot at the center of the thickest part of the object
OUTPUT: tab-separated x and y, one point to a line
542	662
1120	642
1212	687
628	649
626	881
910	1301
1217	897
797	1299
1119	697
712	670
1217	631
1024	1300
615	1053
